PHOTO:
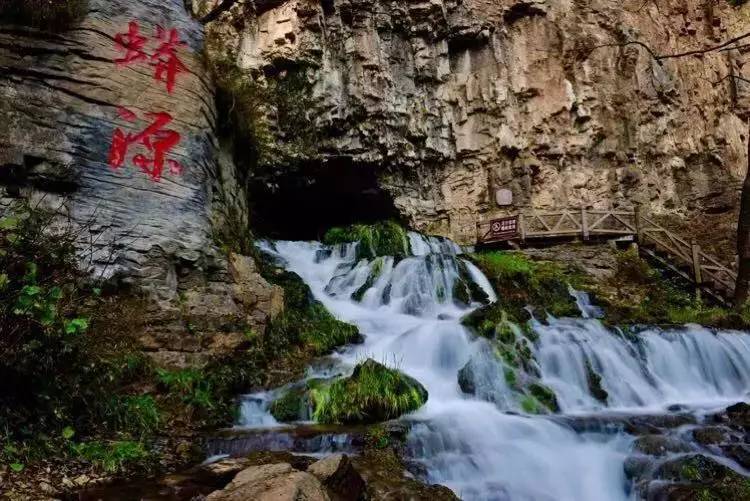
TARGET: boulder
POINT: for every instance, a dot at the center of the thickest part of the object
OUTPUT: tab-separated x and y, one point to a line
338	474
272	482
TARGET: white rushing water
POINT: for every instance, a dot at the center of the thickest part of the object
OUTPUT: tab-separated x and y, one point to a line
411	320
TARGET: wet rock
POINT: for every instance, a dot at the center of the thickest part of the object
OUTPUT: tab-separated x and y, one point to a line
387	478
660	445
466	379
738	415
739	453
710	435
274	482
637	466
337	473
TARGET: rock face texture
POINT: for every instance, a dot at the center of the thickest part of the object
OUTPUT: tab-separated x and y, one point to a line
112	124
543	101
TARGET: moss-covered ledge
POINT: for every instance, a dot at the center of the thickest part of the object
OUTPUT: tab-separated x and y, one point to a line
386	238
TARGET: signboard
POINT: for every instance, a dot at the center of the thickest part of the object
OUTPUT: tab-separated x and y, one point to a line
502	229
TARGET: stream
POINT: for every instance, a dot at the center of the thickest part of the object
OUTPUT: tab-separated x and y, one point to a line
484	446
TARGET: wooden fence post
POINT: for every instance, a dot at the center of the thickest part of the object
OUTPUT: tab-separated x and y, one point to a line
638	225
584	225
697	272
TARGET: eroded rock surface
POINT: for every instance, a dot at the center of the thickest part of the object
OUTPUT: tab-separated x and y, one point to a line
453	100
90	116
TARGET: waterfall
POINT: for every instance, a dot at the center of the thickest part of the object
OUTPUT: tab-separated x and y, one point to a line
651	371
484	446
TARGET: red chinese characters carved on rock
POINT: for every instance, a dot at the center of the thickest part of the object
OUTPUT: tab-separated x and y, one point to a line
165	60
157	140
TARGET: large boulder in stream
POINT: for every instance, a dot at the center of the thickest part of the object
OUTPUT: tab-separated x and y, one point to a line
273	482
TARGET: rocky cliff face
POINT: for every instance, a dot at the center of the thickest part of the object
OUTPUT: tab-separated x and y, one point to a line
112	124
450	101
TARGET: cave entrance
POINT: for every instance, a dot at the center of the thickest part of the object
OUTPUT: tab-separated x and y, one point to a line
304	203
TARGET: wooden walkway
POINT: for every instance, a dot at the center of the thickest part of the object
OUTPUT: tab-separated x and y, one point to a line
684	258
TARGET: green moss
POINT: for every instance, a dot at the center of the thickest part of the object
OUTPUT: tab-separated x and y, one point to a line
305	320
545	396
290	406
521	282
52	15
530	405
510	377
380	239
373	393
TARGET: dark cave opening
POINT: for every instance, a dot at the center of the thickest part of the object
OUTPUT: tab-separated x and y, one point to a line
304	203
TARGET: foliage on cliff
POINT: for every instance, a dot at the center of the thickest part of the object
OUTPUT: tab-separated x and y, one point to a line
387	238
52	15
266	116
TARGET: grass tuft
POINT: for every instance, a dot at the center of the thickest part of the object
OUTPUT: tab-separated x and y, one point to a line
373	393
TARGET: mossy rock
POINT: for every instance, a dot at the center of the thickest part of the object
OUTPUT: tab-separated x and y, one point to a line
704	479
290	406
305	320
465	290
387	238
521	282
373	393
545	396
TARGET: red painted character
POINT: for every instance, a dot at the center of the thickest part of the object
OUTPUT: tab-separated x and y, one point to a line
132	43
157	140
168	65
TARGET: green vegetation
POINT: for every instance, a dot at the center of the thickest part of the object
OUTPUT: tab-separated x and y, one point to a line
380	239
530	405
113	456
639	294
545	396
51	15
372	393
290	406
521	282
267	117
305	321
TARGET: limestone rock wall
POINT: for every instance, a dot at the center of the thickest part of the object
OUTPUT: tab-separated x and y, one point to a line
112	124
456	99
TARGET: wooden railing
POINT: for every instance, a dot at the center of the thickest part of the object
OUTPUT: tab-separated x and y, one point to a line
683	257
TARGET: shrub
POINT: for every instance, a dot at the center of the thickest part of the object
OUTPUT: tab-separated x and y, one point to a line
67	361
372	393
51	15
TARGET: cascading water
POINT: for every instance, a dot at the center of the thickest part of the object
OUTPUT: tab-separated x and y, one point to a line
483	446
